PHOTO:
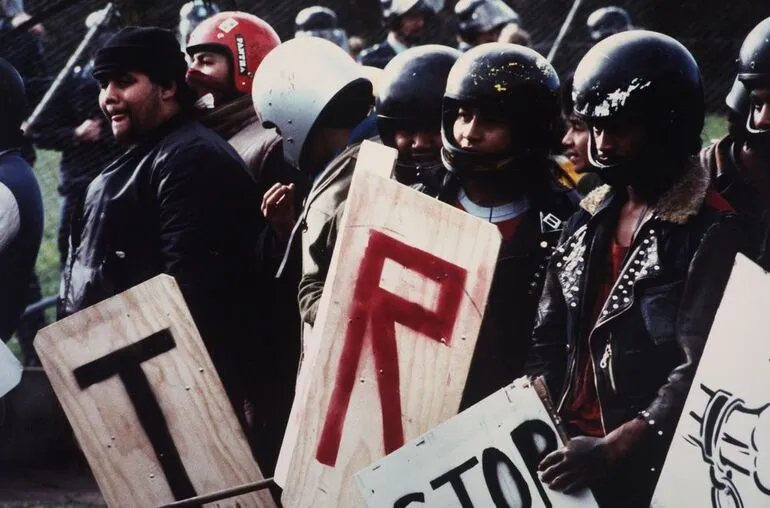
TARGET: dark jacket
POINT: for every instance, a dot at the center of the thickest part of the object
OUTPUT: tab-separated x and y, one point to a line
76	101
260	148
262	151
504	339
378	55
179	202
647	341
21	230
751	202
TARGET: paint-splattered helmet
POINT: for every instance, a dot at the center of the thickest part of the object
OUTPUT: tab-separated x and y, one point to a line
504	81
646	78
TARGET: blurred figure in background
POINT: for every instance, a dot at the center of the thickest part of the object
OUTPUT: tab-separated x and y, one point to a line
606	21
14	9
190	16
317	21
74	125
512	33
25	52
480	21
405	20
356	44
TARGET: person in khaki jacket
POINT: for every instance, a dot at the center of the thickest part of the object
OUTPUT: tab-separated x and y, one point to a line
226	50
315	94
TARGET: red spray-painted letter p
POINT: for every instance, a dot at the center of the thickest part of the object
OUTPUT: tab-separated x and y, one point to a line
375	311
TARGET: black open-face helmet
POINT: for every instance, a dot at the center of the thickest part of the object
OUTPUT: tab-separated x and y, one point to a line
754	70
645	78
504	81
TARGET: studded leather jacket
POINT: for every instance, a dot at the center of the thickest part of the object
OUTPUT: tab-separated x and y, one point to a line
650	333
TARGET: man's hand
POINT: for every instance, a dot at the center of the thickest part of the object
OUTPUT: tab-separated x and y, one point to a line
583	460
23	17
278	209
578	463
90	130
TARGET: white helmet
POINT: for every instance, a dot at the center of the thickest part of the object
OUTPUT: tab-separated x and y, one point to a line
297	80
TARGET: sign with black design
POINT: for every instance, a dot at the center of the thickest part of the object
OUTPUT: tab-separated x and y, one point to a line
145	402
485	456
720	453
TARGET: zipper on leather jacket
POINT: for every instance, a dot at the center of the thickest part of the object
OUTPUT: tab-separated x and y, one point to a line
606	364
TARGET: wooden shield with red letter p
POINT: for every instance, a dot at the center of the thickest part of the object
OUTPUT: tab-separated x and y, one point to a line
395	333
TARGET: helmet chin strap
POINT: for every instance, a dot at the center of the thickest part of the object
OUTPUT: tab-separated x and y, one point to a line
463	162
753	129
592	154
410	173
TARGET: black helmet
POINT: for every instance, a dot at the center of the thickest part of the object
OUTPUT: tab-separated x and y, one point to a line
737	99
645	77
411	89
651	80
738	105
13	103
191	14
510	81
318	21
315	18
754	59
608	21
754	66
475	17
394	10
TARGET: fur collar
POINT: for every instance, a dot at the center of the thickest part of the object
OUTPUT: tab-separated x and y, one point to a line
677	205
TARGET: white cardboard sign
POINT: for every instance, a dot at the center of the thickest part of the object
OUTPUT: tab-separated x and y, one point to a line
720	453
485	456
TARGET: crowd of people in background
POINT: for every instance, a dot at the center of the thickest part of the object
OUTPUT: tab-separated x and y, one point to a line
223	156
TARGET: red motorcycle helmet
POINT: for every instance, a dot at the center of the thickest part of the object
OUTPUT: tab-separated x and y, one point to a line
242	37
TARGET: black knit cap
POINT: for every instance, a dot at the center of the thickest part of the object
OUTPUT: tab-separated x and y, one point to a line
150	50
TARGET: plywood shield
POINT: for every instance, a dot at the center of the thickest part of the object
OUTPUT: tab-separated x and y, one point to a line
145	402
396	329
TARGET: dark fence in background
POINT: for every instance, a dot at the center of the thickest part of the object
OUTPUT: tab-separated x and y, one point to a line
711	29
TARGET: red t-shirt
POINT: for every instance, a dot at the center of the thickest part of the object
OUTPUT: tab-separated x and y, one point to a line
584	413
